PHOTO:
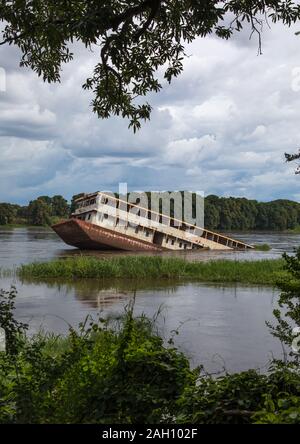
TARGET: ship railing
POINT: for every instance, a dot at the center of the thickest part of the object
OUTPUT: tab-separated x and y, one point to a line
164	220
85	209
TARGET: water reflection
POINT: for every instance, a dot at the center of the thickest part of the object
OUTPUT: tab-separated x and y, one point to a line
218	324
101	293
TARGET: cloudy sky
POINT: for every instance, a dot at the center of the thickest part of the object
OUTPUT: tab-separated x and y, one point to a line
221	128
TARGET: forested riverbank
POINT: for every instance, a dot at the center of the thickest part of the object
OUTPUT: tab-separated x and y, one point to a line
220	213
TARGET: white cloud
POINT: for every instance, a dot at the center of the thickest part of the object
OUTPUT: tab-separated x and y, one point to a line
223	126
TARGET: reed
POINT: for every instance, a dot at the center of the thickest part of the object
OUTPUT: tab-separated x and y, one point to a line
262	272
262	247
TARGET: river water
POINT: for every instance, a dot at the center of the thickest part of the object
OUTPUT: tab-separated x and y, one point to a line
220	327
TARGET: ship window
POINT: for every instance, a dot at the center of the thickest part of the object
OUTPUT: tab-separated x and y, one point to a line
137	230
105	216
105	200
89	217
167	241
173	241
185	246
180	245
147	233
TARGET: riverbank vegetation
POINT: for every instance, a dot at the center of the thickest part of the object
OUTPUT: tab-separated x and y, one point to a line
262	247
226	214
120	370
263	272
295	230
42	211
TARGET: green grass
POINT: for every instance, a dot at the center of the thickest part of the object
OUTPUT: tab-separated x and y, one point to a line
10	226
263	272
295	230
262	247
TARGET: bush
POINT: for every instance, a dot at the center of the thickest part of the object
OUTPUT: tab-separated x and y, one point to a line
119	370
243	398
110	371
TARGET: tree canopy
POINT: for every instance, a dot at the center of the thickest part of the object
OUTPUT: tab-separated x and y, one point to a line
44	210
135	39
243	214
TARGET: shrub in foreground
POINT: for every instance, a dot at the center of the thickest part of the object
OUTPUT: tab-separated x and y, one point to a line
120	371
111	371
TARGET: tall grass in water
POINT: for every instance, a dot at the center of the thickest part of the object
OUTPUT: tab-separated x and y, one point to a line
139	267
262	247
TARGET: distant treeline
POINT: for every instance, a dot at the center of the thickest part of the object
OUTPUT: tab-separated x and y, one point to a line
44	210
242	214
221	213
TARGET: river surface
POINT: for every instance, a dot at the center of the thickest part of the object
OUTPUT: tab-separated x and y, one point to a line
26	245
220	327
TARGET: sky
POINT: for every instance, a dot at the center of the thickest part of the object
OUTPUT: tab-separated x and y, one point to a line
222	127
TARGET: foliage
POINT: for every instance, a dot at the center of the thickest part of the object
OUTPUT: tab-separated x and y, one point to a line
264	272
8	213
42	211
119	370
108	372
39	213
231	213
285	410
59	206
13	329
262	247
287	315
292	158
137	39
243	398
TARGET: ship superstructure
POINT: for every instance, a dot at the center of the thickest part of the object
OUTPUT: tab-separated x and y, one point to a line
103	221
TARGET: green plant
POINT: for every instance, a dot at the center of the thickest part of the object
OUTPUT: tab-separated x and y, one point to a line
13	329
119	370
109	371
242	398
265	272
287	329
262	247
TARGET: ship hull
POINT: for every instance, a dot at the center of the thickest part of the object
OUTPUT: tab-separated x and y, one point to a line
88	236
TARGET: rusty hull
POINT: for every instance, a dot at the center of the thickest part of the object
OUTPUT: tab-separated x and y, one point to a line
87	236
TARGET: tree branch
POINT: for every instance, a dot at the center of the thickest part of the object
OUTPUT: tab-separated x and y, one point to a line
154	10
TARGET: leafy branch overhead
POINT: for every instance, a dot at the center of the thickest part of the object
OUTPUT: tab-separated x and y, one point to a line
292	158
135	39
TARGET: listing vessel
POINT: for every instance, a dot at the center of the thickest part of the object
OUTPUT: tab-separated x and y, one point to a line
102	221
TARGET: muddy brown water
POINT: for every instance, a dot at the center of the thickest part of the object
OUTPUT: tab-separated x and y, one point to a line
219	326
